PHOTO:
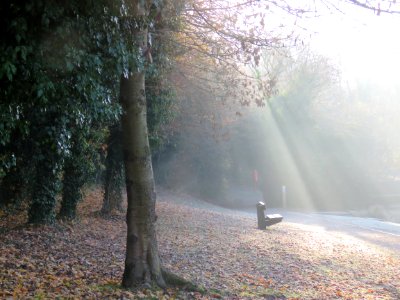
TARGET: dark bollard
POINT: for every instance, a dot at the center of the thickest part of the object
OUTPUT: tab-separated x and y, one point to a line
260	215
264	221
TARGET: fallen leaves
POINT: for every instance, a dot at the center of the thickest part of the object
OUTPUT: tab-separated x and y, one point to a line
222	251
286	261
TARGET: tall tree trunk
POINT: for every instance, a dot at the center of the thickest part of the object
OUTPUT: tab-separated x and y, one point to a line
75	176
113	179
45	189
142	262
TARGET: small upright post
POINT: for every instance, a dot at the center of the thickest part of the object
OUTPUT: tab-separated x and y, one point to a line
260	215
284	200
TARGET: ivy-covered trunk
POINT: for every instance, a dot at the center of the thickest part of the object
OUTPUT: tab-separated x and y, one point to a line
113	179
48	155
74	178
45	189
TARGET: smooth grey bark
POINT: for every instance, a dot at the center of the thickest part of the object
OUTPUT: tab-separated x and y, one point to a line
142	262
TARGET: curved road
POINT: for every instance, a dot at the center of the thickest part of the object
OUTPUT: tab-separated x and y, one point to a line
373	231
379	233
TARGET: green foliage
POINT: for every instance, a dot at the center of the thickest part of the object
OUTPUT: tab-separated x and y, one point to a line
16	184
58	72
43	205
60	67
161	111
13	188
160	94
78	167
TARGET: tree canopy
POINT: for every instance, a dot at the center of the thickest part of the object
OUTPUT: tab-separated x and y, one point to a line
92	86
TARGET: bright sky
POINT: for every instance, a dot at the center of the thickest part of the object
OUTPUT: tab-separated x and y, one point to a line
366	46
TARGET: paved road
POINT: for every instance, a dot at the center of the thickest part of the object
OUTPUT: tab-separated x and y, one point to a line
376	232
379	233
331	221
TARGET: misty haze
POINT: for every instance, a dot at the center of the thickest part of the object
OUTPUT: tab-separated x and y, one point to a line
200	149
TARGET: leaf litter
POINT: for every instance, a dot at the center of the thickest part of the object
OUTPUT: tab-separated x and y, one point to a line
216	249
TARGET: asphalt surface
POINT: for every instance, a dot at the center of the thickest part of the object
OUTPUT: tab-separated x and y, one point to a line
340	222
376	232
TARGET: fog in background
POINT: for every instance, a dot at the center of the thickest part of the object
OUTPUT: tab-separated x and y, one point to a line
332	144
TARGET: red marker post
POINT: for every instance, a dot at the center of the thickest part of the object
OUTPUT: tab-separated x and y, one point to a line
255	178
